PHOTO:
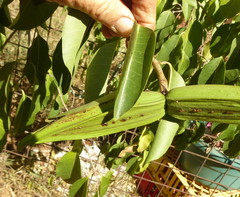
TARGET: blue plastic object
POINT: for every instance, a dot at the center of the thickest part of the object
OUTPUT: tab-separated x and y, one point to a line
229	178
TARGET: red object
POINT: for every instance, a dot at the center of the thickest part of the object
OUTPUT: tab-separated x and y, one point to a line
147	188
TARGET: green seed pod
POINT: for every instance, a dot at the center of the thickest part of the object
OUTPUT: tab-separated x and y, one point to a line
213	103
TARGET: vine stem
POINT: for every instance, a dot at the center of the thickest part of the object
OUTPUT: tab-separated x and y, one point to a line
163	83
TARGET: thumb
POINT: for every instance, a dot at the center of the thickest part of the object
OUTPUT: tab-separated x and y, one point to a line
111	13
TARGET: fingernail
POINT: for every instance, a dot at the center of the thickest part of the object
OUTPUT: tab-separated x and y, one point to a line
123	26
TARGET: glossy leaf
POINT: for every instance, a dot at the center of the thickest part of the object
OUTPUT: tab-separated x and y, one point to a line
33	13
163	138
68	168
209	69
79	188
75	32
97	72
104	184
136	69
95	119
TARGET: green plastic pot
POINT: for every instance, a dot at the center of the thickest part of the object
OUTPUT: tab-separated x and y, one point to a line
211	170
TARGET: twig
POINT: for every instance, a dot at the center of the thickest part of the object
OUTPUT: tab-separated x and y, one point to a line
60	95
163	83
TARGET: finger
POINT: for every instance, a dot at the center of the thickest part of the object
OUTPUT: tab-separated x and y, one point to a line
113	14
144	12
108	33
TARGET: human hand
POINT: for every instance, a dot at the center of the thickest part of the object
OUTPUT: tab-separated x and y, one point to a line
117	16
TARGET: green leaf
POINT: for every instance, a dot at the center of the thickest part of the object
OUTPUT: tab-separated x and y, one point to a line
172	43
74	38
221	41
164	26
38	58
192	3
36	70
68	168
5	18
97	72
21	117
95	119
5	93
231	75
132	165
234	54
163	138
227	9
189	136
229	133
5	2
209	69
79	188
104	184
60	71
33	13
2	36
145	140
3	136
136	69
187	9
232	148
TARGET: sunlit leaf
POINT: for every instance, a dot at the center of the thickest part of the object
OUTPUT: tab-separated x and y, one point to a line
97	72
168	47
75	32
164	26
136	69
33	13
104	184
145	140
163	138
209	69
